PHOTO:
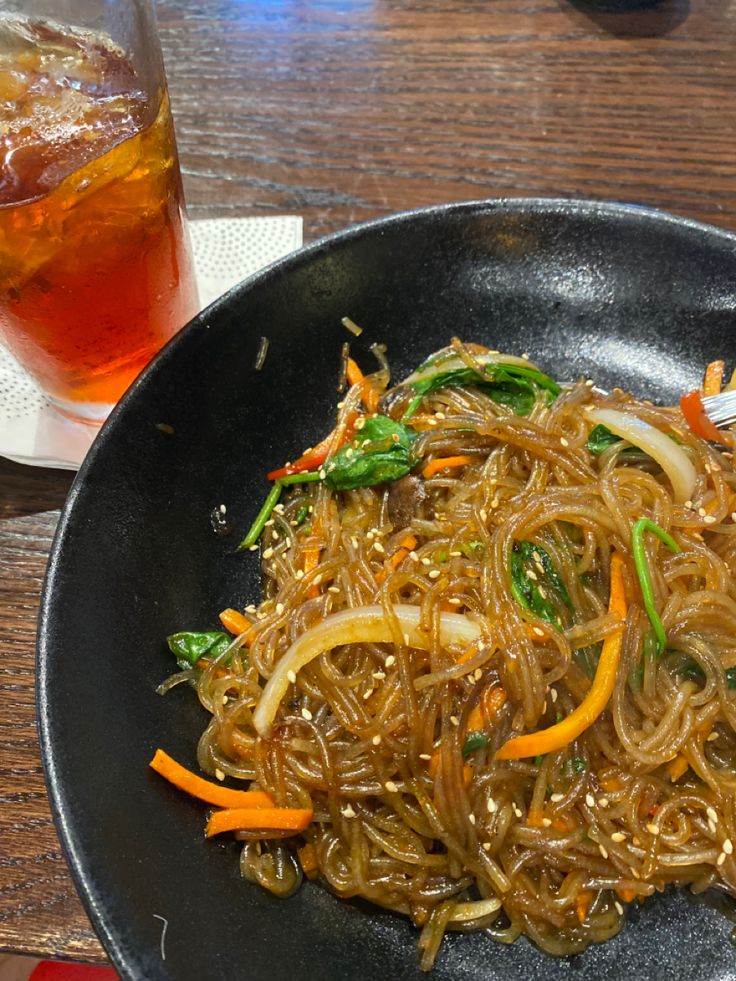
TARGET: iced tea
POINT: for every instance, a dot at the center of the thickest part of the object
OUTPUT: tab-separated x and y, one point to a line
95	267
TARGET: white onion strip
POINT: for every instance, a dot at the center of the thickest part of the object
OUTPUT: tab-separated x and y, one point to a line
451	362
363	625
474	910
671	457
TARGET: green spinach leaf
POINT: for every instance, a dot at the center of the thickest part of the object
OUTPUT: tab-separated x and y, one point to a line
536	585
379	452
190	645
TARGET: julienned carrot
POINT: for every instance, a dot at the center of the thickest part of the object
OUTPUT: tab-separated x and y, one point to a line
445	463
582	904
211	793
625	895
294	819
677	767
353	374
405	546
595	701
234	621
713	378
314	458
307	855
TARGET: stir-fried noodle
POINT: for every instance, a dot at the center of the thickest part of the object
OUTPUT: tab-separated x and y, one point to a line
492	665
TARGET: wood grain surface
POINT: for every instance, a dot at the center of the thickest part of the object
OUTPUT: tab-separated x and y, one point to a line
344	111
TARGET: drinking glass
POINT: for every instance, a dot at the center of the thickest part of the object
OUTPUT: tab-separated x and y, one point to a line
95	263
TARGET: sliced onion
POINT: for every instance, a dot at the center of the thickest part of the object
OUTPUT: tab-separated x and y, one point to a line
475	910
447	360
671	457
363	625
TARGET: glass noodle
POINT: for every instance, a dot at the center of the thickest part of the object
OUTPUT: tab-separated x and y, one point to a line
411	627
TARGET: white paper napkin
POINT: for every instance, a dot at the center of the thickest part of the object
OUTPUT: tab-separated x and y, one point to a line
226	250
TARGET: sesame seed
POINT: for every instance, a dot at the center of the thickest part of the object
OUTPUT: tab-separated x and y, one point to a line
589	382
426	561
537	558
455	554
603	801
653	829
279	509
563	441
391	787
709	519
317	579
439	415
413	555
556	798
434	573
618	836
542	592
471	818
367	694
702	512
491	805
291	675
406	640
454	719
711	815
636	841
603	850
379	675
379	548
299	573
250	608
268	553
495	502
483	515
348	812
552	691
225	699
359	422
279	608
532	575
354	541
546	822
477	674
322	474
333	589
688	504
619	907
712	736
590	800
424	756
721	858
376	740
371	535
486	846
252	548
525	357
268	523
219	774
711	827
306	715
733	516
517	811
390	660
455	601
727	846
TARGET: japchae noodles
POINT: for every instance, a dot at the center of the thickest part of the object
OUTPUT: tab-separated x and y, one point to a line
489	682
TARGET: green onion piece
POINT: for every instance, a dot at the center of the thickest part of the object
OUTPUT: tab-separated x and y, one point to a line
301	515
270	503
645	578
474	741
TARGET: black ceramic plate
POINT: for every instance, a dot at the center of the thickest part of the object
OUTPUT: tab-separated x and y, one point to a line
619	294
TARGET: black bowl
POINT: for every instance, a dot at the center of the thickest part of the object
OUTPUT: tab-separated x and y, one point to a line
620	294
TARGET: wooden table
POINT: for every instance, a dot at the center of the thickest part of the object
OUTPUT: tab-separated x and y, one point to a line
343	111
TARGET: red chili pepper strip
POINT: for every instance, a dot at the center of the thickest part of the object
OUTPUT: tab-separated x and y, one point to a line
697	418
314	459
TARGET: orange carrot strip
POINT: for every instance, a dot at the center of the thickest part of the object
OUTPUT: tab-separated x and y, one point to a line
211	793
563	733
354	374
234	621
713	378
255	819
582	904
625	895
611	784
445	463
534	818
407	544
307	856
676	767
311	561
